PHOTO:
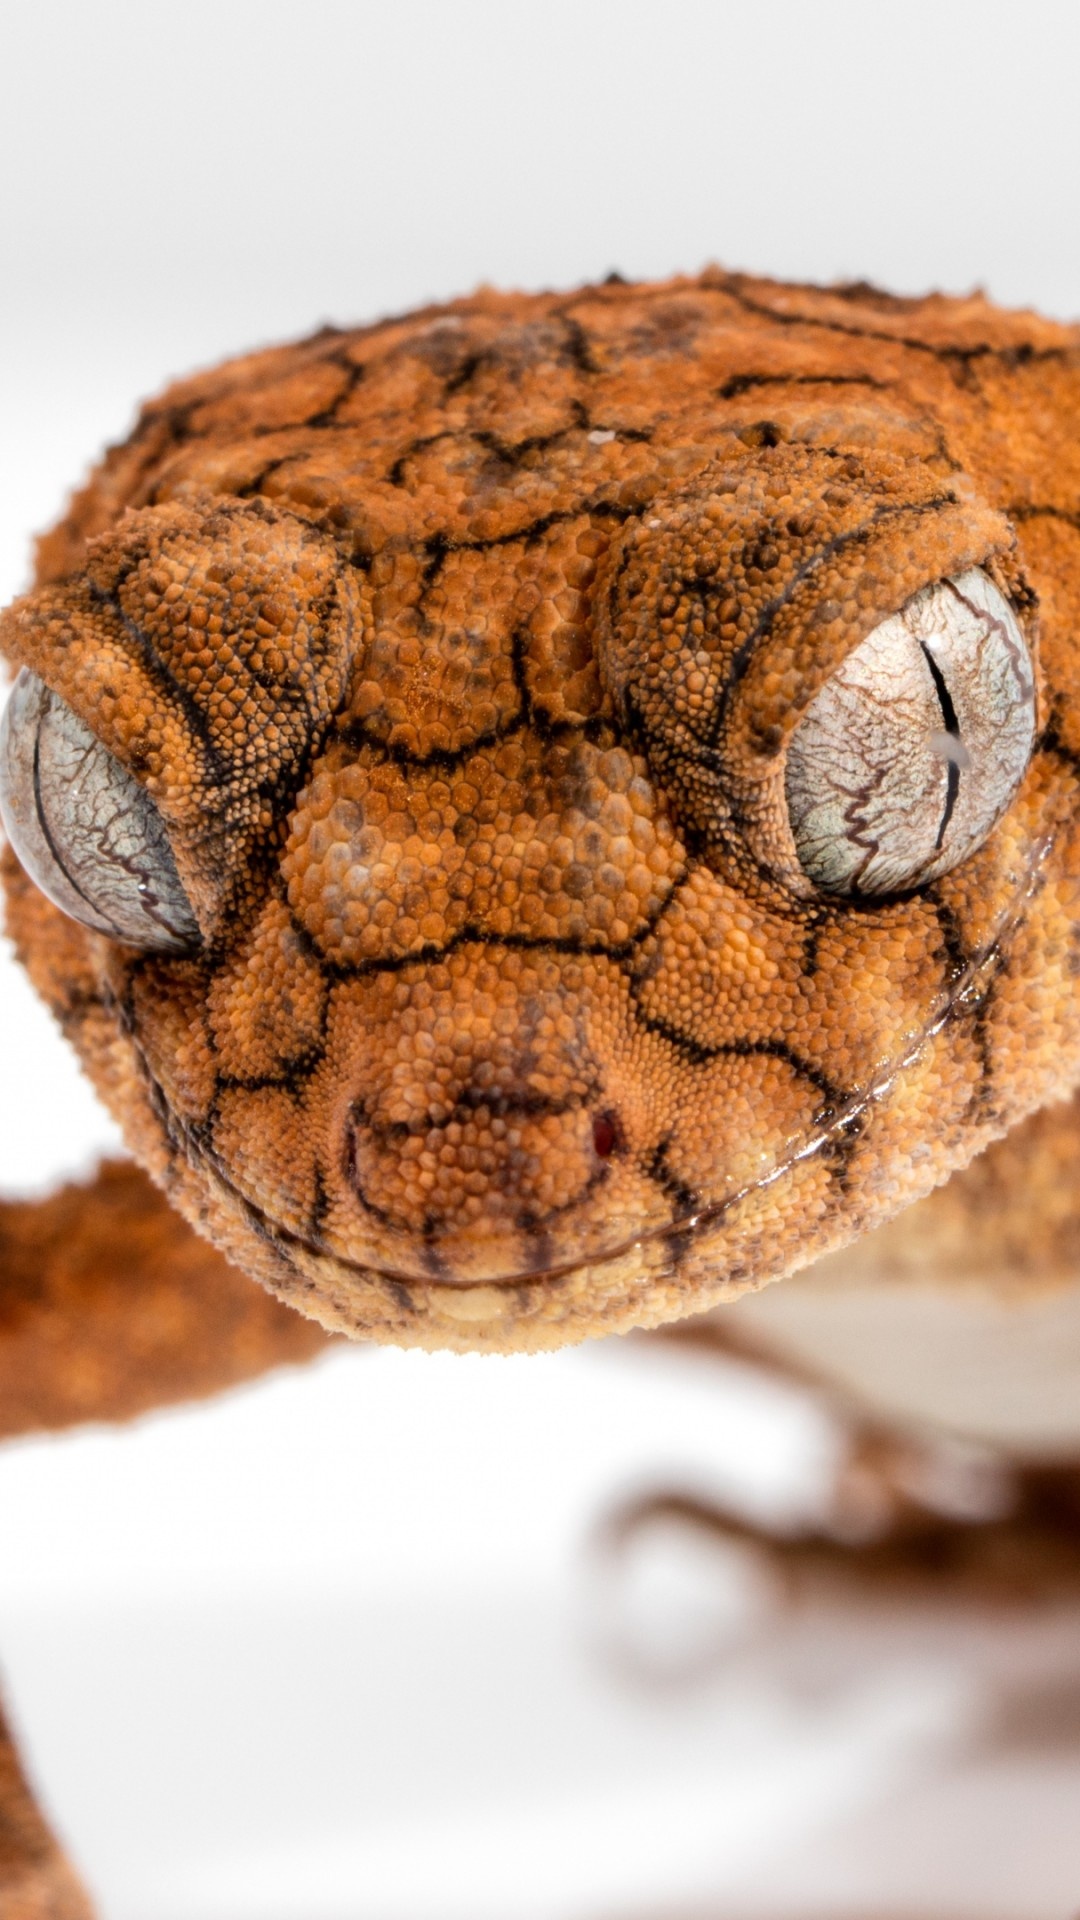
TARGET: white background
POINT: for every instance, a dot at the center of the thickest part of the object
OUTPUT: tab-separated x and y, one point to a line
321	1649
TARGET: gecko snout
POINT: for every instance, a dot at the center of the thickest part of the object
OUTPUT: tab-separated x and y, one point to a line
493	1160
479	1120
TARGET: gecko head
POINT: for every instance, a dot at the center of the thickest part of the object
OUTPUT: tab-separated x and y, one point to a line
463	1019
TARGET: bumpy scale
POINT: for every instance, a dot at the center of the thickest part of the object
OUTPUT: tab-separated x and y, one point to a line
461	657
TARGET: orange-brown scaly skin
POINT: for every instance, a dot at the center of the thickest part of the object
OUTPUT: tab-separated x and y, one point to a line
110	1306
461	654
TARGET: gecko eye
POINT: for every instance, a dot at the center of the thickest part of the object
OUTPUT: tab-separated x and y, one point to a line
916	745
84	830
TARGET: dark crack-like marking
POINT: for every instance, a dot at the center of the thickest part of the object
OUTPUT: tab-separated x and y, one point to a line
327	417
956	960
741	383
291	1077
741	659
958	359
1051	742
684	1199
395	473
433	953
1041	510
164	680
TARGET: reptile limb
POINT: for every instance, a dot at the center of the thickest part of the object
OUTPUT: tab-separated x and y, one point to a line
73	1267
36	1882
921	1497
72	1349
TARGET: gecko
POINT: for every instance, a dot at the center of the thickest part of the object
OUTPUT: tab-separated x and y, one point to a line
543	815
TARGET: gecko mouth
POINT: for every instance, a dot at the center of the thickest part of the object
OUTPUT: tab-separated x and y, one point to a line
547	1263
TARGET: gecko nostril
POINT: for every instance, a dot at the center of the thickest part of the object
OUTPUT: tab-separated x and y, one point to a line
606	1135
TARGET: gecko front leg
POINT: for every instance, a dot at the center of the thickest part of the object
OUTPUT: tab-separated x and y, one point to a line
36	1881
110	1305
946	1347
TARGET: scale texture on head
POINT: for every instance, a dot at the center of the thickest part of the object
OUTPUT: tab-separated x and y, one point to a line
540	815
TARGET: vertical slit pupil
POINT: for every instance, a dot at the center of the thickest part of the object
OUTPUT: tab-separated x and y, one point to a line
952	726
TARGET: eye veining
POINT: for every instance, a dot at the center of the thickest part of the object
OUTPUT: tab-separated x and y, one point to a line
916	745
84	829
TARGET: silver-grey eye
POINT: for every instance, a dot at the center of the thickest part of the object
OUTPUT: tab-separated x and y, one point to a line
84	830
916	745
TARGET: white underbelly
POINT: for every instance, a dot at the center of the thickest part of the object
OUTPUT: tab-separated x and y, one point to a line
1004	1371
